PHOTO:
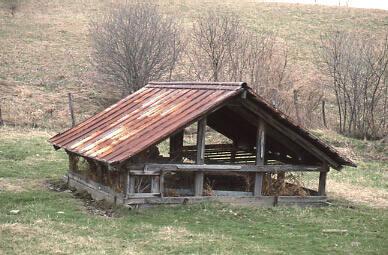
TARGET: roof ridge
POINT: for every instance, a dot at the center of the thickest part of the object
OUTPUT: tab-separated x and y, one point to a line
197	85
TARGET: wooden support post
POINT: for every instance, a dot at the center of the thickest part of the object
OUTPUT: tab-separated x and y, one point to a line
155	184
161	183
71	110
258	184
73	161
198	185
176	147
130	189
201	133
260	153
322	181
233	154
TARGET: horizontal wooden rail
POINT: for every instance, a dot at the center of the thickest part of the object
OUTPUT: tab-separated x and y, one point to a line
231	168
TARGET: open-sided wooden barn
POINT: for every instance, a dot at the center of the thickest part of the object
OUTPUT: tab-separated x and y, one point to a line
144	149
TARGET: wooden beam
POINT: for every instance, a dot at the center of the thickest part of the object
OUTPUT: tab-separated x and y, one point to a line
201	141
198	184
130	185
258	184
154	168
198	180
155	184
260	144
260	160
161	184
295	149
176	146
255	108
322	182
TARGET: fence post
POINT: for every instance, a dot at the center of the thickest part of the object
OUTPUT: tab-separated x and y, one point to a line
71	110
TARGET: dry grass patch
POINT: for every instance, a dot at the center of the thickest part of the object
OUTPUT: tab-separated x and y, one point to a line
42	237
361	195
20	185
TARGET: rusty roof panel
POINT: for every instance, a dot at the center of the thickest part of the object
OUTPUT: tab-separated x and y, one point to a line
156	111
143	118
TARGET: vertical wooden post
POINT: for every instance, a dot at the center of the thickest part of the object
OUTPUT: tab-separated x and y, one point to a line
260	153
130	188
161	184
71	110
322	181
155	184
198	185
233	154
176	146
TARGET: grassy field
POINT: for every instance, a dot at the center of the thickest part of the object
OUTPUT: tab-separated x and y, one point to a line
45	48
52	222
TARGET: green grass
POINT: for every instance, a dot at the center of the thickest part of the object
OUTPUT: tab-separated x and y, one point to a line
27	160
371	158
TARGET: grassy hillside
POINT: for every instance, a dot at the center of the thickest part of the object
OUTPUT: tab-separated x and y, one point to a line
51	222
45	48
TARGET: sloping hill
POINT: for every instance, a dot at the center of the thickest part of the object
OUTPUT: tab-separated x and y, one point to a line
45	49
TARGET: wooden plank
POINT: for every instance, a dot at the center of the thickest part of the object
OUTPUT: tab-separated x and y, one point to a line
267	201
231	193
198	184
143	195
145	172
201	141
231	168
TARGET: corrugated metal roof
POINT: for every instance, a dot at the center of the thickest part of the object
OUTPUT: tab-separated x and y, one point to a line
154	112
143	118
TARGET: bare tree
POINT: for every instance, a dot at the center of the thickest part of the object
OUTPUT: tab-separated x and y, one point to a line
12	5
223	49
135	43
212	36
358	69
